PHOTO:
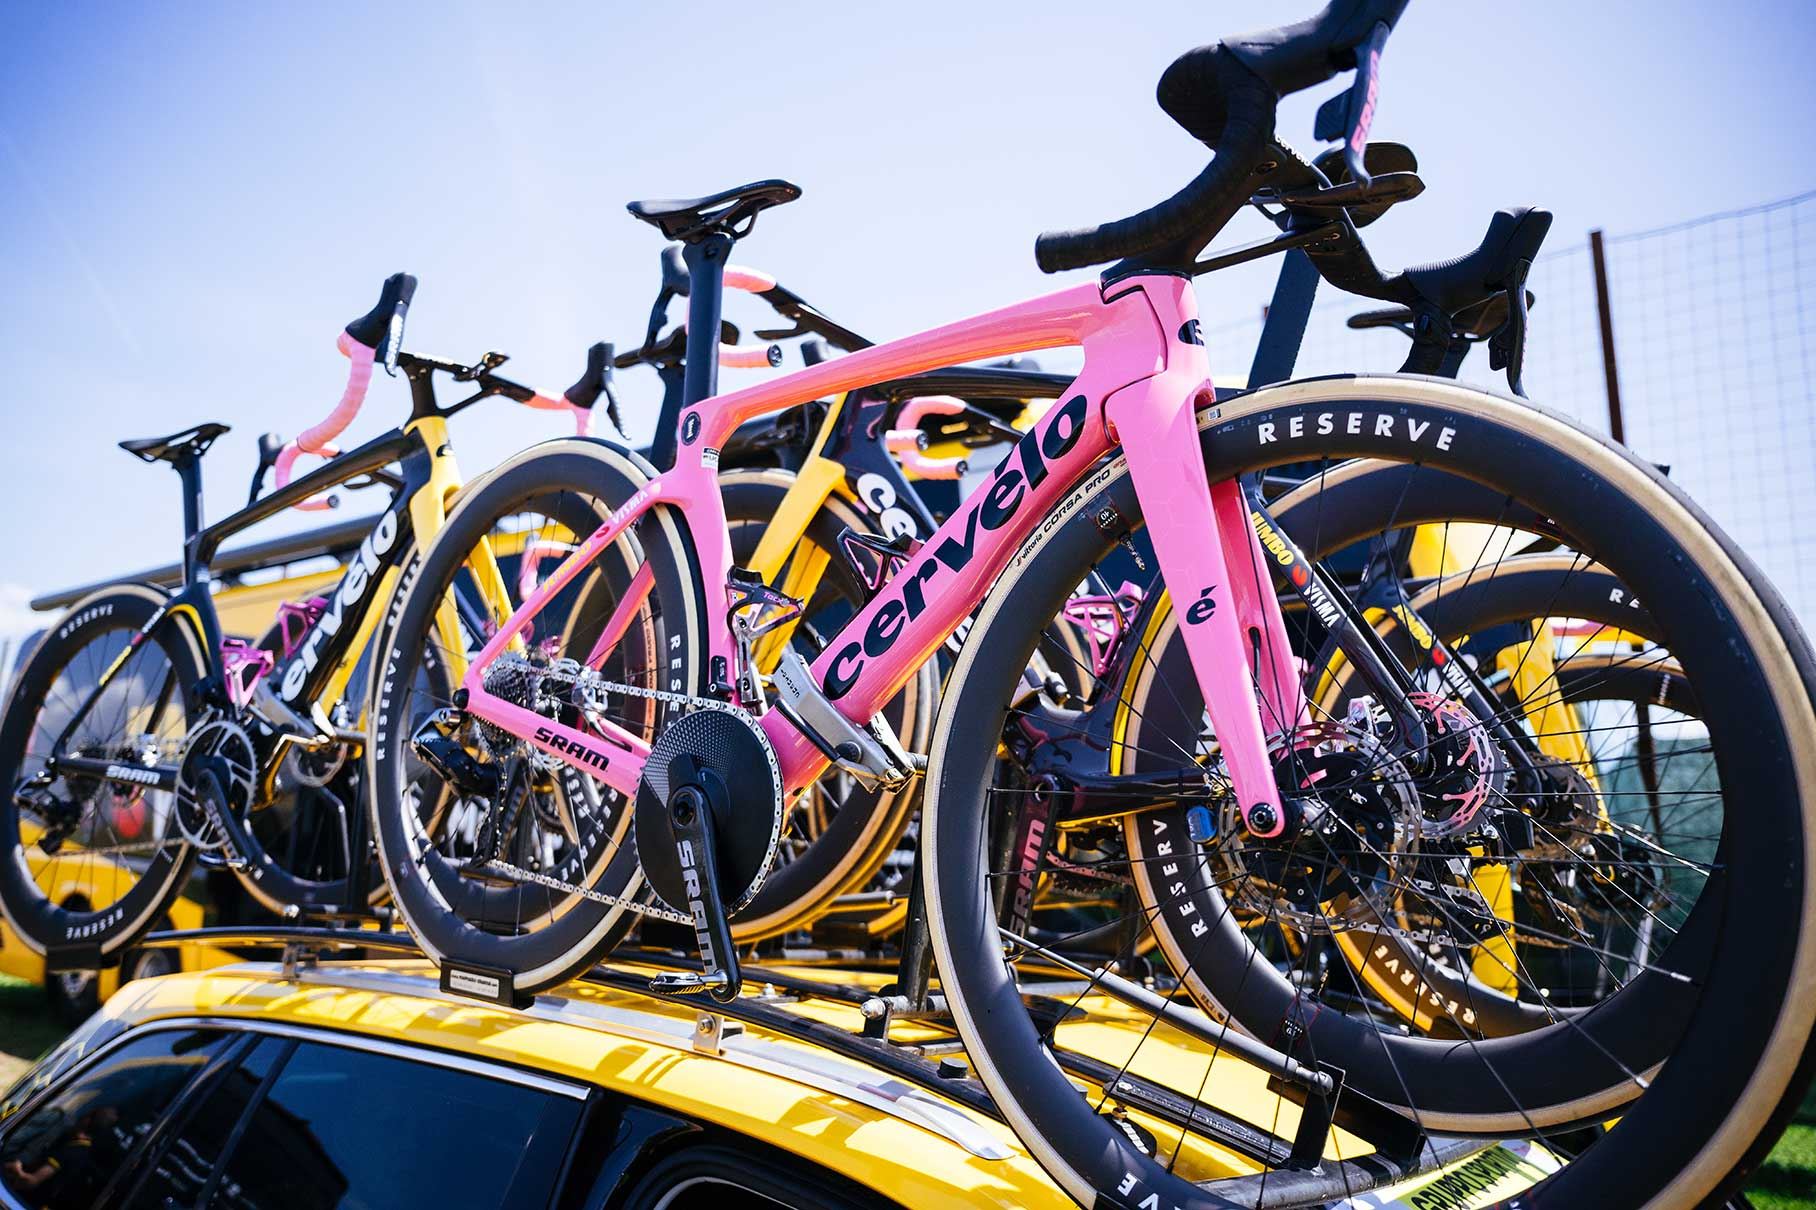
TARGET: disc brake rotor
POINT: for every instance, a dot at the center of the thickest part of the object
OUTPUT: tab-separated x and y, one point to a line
1355	833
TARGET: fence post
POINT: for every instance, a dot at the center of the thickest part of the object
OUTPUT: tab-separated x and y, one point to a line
1605	313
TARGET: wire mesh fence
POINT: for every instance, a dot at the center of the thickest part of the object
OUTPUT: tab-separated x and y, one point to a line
1714	326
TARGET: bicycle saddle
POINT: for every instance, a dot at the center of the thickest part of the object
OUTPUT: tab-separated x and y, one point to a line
190	442
692	218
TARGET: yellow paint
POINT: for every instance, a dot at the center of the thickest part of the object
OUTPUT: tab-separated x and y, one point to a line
818	478
1446	550
914	1165
905	1161
98	881
1555	722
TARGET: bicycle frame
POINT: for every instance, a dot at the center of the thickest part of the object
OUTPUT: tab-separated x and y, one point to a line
1145	374
325	655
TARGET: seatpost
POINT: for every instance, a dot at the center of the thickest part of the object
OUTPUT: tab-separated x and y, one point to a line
189	470
705	259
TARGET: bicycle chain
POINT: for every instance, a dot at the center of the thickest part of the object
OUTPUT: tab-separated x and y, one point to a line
573	672
587	893
576	674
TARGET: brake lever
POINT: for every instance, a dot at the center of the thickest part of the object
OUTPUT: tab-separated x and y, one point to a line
775	334
1507	347
394	338
1350	113
270	446
611	393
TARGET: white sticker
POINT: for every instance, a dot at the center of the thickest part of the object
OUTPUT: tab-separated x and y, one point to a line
472	984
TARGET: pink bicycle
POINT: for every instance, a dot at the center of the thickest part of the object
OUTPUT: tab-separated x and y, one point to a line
1227	809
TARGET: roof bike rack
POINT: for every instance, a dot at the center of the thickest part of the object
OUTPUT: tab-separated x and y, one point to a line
936	1065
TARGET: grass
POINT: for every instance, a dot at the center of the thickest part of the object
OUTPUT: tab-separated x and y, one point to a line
27	1028
1787	1179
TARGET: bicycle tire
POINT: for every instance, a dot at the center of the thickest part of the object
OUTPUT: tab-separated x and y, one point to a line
1741	1059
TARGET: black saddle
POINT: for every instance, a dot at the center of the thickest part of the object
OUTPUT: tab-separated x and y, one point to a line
690	219
176	448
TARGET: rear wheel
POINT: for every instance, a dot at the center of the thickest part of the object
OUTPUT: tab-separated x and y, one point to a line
496	881
1698	1048
89	862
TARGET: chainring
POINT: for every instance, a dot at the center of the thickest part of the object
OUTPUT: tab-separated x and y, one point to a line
224	750
746	833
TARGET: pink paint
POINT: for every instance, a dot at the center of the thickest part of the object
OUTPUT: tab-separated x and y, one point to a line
906	441
317	438
534	552
1103	619
620	621
1143	380
750	357
583	417
923	406
243	665
751	281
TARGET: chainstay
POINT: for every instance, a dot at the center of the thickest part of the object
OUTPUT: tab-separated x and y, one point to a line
577	674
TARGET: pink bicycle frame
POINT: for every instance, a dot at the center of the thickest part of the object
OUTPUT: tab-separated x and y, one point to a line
1145	374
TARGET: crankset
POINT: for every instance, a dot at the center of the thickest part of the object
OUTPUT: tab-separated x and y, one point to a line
734	773
708	822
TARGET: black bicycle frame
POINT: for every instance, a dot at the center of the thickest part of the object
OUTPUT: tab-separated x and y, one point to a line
328	641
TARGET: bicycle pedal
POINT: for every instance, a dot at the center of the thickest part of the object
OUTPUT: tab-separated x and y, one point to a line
438	742
688	983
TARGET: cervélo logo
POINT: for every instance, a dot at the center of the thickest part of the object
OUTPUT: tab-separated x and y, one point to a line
905	597
361	570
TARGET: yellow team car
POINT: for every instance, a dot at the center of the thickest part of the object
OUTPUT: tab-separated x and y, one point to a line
319	1083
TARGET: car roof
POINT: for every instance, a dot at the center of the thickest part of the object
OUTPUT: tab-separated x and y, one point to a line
793	1095
786	1066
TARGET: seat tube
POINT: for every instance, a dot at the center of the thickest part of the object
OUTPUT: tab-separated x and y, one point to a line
1156	422
662	445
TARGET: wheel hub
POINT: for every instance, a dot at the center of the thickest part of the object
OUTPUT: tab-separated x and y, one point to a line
1352	815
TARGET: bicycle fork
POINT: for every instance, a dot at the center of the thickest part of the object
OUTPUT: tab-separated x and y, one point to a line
1212	564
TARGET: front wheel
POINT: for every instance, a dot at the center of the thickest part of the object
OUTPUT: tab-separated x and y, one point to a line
1699	1047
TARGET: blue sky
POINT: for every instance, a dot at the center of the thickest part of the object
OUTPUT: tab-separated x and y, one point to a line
194	198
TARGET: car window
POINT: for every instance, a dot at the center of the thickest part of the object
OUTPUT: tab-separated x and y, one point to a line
350	1128
180	1176
62	1153
88	1038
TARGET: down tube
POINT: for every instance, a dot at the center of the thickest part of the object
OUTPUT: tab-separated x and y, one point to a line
898	631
